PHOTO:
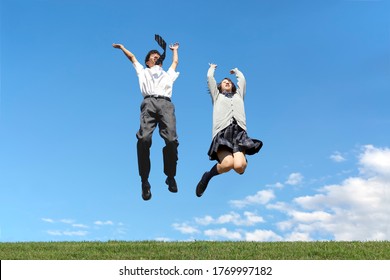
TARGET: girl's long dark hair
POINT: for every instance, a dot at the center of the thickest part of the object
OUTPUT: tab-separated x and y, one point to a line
234	88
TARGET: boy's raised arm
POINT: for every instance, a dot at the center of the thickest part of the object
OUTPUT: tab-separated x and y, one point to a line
175	56
128	53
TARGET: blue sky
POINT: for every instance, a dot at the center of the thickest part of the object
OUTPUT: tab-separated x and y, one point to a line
318	85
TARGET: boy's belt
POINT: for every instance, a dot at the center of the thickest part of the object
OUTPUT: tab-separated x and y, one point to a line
158	97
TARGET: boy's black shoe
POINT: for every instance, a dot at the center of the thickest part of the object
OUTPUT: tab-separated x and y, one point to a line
172	186
146	193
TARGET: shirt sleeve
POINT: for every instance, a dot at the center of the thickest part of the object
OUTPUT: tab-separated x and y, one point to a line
241	82
212	84
173	74
138	67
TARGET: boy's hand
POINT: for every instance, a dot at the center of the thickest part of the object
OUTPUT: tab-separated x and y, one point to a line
174	46
117	46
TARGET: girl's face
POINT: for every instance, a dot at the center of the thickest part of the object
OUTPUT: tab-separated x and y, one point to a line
226	86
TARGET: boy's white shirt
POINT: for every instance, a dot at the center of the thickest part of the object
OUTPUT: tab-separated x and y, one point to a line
155	81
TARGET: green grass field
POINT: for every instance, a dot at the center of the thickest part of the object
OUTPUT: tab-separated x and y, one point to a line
197	250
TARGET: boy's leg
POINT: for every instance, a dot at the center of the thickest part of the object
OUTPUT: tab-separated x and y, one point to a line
144	135
167	127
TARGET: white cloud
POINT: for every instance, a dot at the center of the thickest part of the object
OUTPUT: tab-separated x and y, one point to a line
76	233
80	226
231	218
222	233
280	206
67	233
277	185
310	217
101	223
66	221
298	236
355	209
294	179
252	219
285	225
261	197
375	161
184	228
67	228
337	157
262	235
206	220
54	232
163	239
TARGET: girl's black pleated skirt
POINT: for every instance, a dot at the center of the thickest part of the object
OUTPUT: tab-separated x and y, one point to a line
233	138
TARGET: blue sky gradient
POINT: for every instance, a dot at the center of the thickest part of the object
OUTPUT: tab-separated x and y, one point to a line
318	85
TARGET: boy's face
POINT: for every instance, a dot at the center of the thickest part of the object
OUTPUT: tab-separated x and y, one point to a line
152	59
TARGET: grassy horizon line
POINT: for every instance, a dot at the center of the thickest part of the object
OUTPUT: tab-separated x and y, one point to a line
196	250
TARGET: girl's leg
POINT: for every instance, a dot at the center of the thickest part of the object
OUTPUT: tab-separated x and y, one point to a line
226	163
239	162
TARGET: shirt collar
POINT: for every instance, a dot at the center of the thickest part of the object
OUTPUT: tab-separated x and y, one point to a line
227	94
